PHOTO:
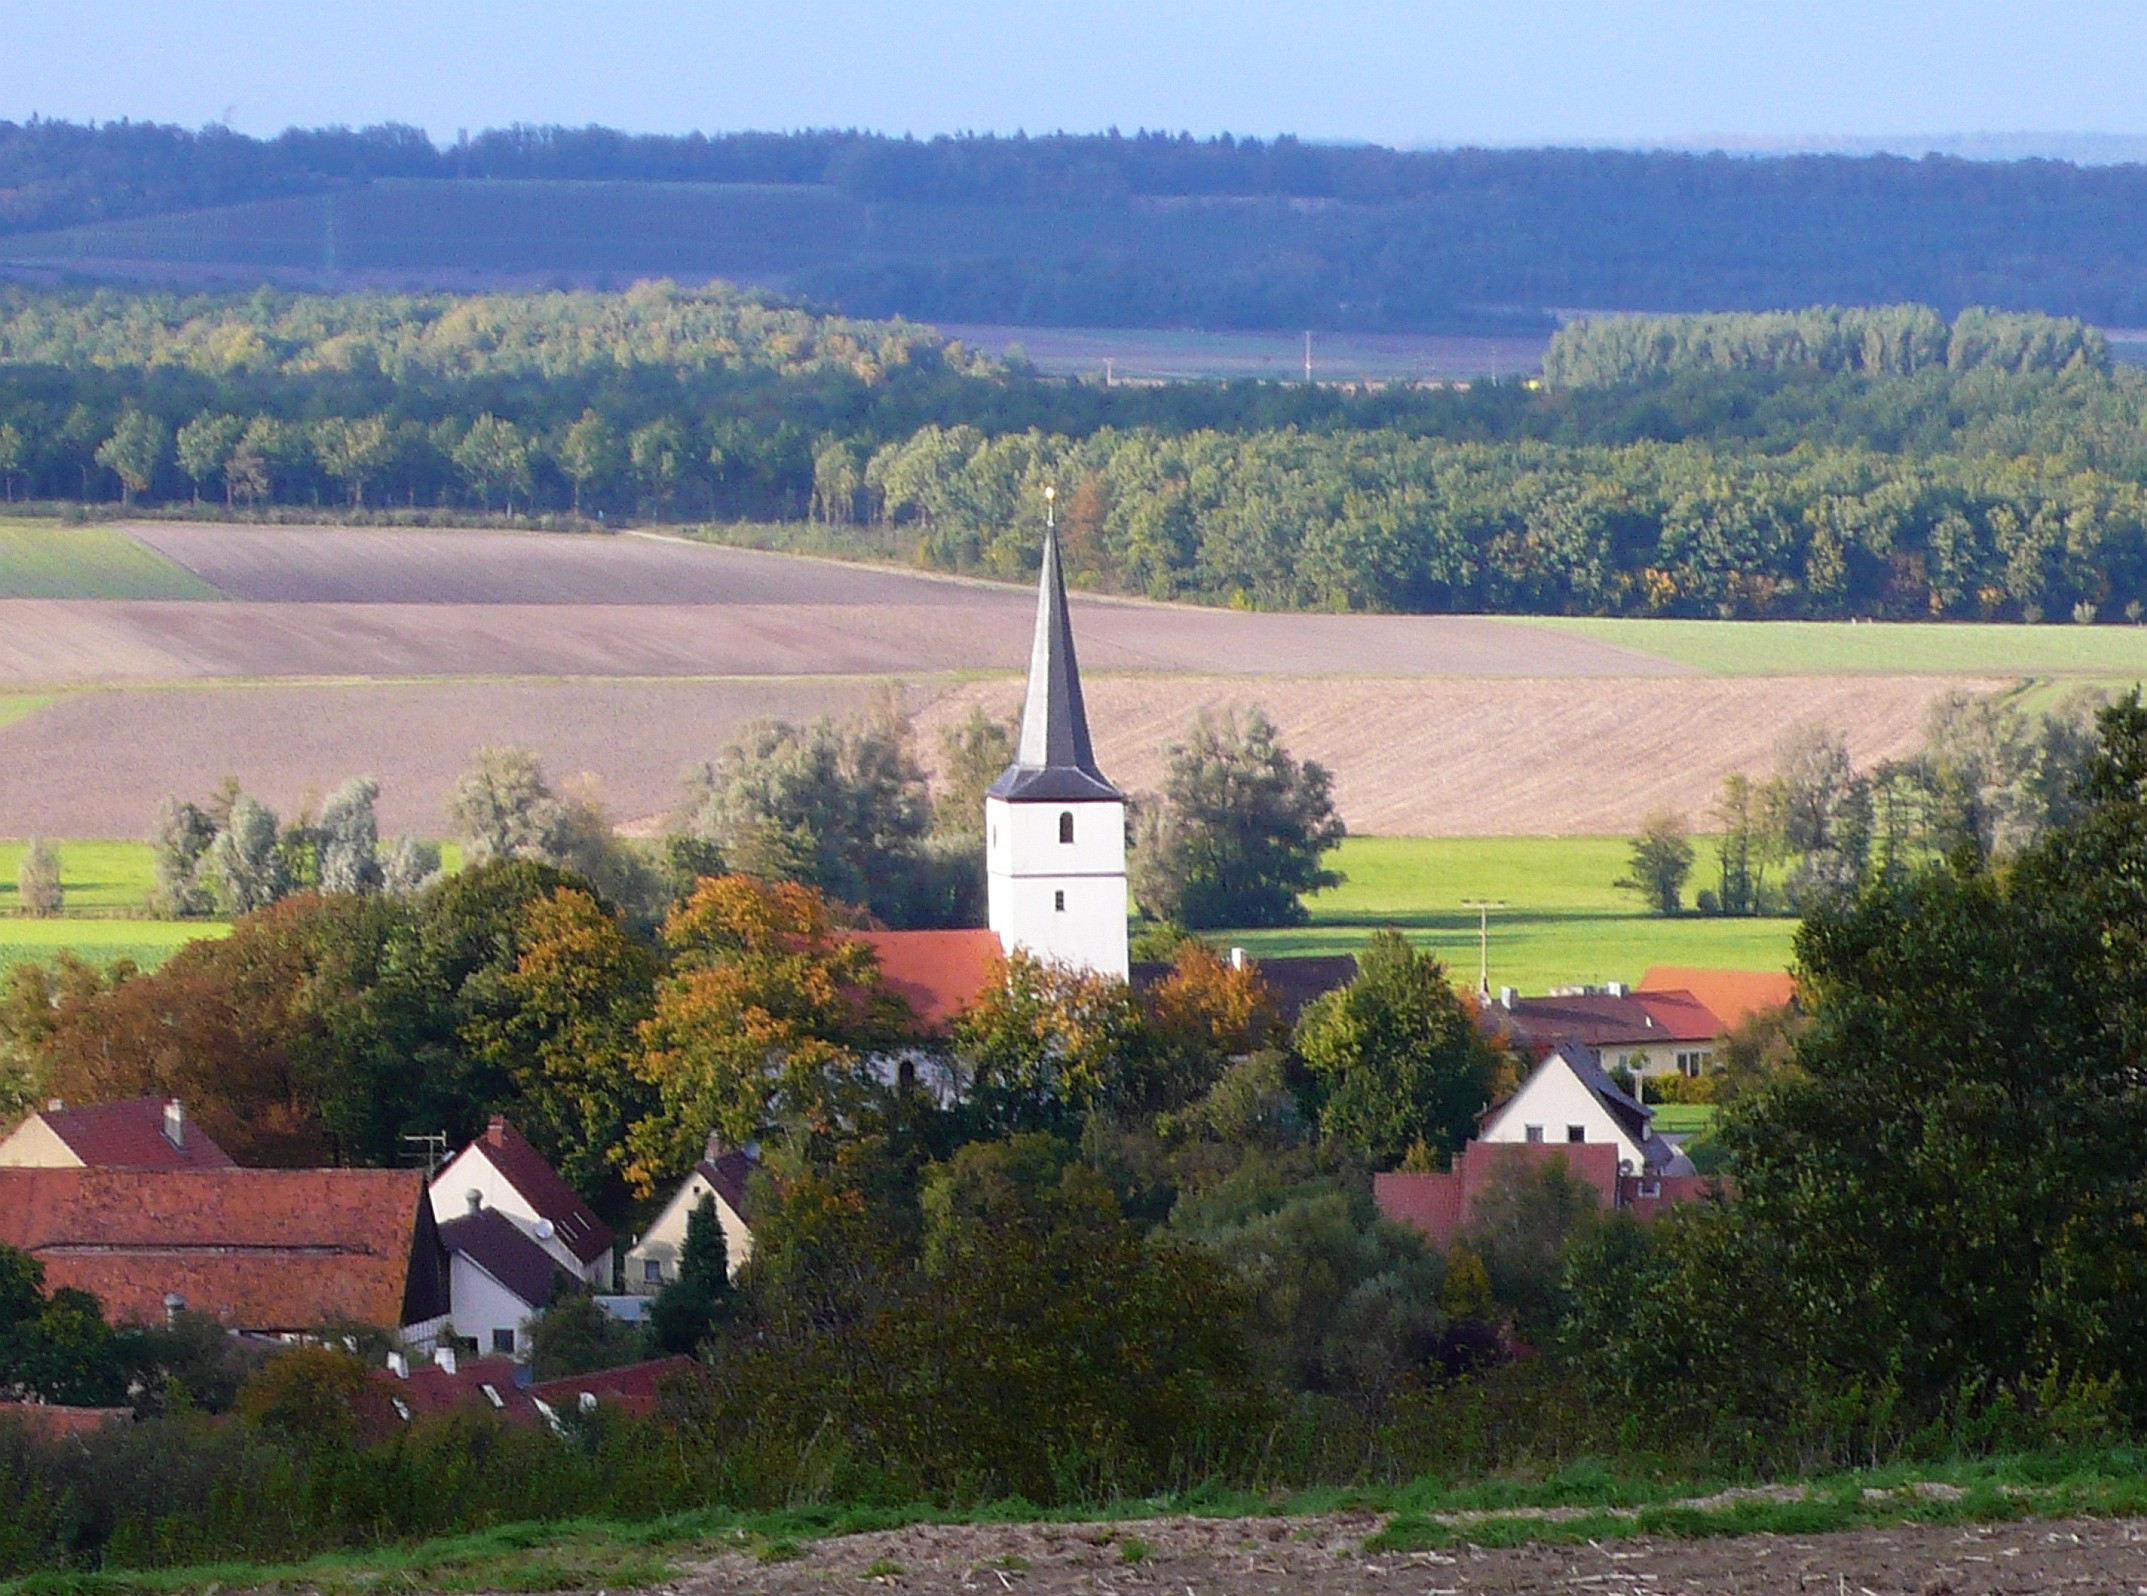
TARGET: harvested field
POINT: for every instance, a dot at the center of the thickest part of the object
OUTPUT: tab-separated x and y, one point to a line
1486	759
1413	758
1324	1556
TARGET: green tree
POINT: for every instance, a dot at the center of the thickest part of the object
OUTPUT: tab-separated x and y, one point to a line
494	456
589	454
1661	860
1397	1054
657	454
1045	1043
205	444
354	452
14	453
349	839
502	807
574	1335
1242	829
38	883
693	1307
243	867
973	753
135	450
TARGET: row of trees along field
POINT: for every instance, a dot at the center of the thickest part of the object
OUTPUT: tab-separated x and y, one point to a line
1138	1249
1736	466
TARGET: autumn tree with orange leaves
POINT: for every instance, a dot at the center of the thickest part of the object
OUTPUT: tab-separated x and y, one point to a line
764	1022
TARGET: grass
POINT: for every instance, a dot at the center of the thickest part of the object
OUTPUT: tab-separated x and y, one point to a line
1564	923
106	917
1585	1502
41	560
1881	648
21	706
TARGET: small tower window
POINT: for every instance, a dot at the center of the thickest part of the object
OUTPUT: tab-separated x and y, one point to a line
1066	825
1058	902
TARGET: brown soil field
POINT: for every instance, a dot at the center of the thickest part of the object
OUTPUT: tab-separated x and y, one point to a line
1413	758
1325	1557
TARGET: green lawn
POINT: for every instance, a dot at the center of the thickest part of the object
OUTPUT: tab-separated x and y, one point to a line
1827	648
19	706
106	912
40	559
1564	922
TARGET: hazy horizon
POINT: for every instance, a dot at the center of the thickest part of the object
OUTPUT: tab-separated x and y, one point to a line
1659	73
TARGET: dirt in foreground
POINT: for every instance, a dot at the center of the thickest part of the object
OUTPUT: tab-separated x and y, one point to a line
1324	1557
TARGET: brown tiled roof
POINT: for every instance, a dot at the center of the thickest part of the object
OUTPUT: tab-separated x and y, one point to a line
633	1386
938	973
728	1172
493	1242
1600	1019
130	1135
258	1249
525	1169
1732	995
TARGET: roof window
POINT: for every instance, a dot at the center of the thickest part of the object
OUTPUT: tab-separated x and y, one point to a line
492	1395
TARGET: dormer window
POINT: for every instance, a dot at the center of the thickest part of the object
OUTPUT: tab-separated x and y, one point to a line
1066	825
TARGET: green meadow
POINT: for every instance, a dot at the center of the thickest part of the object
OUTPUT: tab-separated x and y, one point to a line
1563	922
106	917
1873	648
47	560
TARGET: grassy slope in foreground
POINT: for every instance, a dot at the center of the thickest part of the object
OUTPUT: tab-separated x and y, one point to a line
1564	921
42	560
1874	648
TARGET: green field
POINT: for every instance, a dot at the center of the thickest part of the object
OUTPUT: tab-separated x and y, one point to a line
1564	922
1875	648
44	560
106	913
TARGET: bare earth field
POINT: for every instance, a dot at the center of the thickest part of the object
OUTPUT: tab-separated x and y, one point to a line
394	653
1324	1557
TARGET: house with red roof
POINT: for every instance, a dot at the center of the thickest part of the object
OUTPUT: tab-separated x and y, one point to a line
282	1252
503	1387
1641	1033
1733	996
499	1279
502	1173
137	1133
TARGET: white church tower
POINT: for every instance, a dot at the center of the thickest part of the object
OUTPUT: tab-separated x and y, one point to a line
1054	828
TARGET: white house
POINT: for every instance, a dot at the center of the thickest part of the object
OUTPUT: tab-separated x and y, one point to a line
1054	827
652	1261
507	1176
499	1278
1569	1099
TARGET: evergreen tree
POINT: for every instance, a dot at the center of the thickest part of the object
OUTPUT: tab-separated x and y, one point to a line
691	1308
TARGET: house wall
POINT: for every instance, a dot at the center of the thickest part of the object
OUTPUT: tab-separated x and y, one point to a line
1654	1058
1027	870
662	1242
1554	1098
483	1305
35	1145
471	1170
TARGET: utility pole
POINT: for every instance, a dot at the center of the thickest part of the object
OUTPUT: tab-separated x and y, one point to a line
1308	357
1483	908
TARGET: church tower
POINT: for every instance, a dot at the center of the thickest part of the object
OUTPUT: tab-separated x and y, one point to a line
1054	828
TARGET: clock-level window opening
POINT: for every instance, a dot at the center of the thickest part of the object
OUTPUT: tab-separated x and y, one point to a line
1066	825
1058	902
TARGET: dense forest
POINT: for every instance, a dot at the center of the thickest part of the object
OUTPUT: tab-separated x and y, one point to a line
1142	230
1831	462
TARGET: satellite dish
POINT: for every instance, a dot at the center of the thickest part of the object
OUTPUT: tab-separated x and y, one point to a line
545	1230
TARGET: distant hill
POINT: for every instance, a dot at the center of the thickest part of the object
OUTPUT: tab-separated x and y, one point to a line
1148	231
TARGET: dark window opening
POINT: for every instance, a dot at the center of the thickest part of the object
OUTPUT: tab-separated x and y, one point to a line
1066	826
1058	902
1576	1133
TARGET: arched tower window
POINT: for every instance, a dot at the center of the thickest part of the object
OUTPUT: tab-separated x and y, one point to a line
1066	825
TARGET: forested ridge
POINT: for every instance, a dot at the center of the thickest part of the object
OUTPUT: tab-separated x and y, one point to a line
1147	229
1831	462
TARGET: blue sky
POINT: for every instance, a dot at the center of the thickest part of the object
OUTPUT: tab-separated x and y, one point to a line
1494	71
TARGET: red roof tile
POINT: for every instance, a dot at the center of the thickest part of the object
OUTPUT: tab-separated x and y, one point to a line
130	1135
259	1249
938	973
430	1390
1733	995
49	1421
526	1170
1601	1019
633	1387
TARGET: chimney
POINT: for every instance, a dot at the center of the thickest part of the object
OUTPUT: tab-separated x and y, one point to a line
175	1123
475	1199
399	1365
174	1305
1508	996
1618	989
55	1105
496	1132
1237	958
714	1149
443	1359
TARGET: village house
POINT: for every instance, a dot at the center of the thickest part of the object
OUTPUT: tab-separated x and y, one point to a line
499	1278
721	1174
138	1133
276	1252
503	1387
503	1174
1642	1033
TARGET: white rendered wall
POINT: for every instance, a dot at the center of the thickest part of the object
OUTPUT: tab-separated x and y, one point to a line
665	1240
1554	1098
482	1305
1058	900
470	1170
36	1145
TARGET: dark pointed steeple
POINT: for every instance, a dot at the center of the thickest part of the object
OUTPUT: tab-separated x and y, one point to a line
1053	762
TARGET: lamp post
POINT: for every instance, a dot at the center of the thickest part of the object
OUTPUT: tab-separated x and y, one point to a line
1483	908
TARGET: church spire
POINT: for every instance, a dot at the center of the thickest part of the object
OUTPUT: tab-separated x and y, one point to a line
1053	762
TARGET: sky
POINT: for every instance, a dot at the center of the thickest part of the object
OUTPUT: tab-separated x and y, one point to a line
1432	72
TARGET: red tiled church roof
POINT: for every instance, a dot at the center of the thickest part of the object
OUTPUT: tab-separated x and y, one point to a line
131	1135
258	1249
938	973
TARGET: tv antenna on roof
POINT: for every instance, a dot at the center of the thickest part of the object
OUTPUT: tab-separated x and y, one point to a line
1483	908
425	1147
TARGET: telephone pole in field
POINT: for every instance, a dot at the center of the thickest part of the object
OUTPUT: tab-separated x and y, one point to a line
1483	908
